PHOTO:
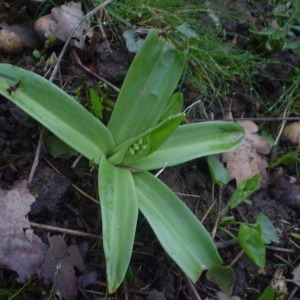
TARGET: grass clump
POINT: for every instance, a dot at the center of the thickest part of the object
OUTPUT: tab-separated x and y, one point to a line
214	63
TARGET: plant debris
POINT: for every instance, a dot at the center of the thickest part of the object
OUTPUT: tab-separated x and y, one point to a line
296	276
61	22
249	159
59	267
20	249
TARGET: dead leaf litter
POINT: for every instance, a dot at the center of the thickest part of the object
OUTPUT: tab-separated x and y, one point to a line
250	158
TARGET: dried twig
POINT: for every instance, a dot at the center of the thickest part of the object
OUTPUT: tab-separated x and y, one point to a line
193	289
78	189
64	230
36	158
214	231
78	61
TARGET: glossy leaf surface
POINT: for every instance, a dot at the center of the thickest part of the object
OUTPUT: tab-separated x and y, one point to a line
250	239
56	110
147	88
179	231
192	141
174	106
119	209
138	147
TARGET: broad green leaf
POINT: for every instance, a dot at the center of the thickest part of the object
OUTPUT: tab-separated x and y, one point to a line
223	276
174	107
119	210
269	233
217	170
192	141
243	191
268	294
56	110
250	239
147	88
178	230
138	147
57	147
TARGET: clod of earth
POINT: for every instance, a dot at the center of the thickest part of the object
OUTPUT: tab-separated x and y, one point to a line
291	133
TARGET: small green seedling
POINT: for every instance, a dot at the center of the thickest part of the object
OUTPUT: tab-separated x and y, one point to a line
281	33
96	103
144	133
251	237
242	192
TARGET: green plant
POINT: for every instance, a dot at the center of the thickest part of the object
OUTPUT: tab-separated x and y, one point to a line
283	28
144	133
214	65
251	237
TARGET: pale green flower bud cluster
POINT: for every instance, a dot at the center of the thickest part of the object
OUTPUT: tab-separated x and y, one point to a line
139	146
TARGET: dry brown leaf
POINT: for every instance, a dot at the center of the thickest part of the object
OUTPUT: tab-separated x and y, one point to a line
296	276
20	249
291	133
248	159
58	267
62	21
278	284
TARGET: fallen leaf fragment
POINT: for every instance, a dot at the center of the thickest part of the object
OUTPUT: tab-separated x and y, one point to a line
278	284
248	159
20	249
59	267
291	133
296	276
61	22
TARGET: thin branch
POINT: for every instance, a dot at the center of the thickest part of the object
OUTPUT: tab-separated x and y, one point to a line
78	61
64	230
36	158
78	189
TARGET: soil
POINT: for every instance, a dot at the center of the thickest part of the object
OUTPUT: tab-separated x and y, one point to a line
59	203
